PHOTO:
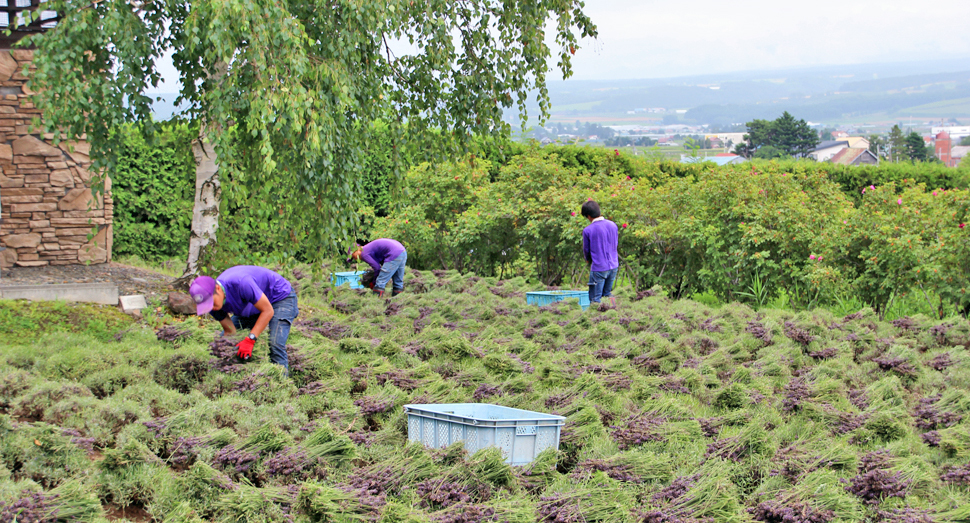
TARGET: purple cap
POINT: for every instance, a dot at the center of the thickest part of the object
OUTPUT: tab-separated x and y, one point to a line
202	290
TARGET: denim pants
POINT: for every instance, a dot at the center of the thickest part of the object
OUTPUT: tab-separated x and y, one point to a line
284	312
393	269
601	284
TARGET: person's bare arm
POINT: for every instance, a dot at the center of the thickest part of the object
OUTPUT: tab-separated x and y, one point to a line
265	309
227	326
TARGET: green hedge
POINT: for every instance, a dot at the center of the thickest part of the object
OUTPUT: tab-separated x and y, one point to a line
153	186
741	232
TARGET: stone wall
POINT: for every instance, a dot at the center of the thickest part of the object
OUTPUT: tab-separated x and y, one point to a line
46	205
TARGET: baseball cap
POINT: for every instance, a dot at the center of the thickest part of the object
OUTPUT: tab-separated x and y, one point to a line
202	290
350	253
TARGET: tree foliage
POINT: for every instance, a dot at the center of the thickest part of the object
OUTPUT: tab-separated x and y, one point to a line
785	134
153	187
287	90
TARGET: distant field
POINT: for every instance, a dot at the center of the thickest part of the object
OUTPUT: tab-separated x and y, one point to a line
586	106
957	108
607	119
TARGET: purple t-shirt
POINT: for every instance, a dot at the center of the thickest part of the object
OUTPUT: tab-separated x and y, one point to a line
377	252
600	239
245	285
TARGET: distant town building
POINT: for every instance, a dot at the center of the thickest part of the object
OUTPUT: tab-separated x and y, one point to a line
727	139
721	159
838	135
855	156
959	154
826	150
956	133
942	147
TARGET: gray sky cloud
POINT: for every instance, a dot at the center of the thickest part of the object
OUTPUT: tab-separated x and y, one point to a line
654	39
639	39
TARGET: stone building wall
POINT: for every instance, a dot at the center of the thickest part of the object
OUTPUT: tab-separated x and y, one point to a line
46	206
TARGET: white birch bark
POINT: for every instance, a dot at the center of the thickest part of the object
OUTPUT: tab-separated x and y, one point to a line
205	213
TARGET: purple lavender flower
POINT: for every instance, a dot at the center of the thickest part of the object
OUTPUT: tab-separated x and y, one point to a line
373	405
874	482
637	430
614	470
486	391
800	336
941	362
291	461
439	493
34	507
677	489
526	366
229	457
775	511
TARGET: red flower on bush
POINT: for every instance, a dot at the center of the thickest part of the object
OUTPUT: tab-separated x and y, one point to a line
617	151
961	225
624	226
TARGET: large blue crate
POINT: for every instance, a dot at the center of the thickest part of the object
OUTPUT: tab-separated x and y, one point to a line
353	278
541	298
520	434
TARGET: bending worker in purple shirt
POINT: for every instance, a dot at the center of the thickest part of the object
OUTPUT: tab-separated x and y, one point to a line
387	257
258	299
600	239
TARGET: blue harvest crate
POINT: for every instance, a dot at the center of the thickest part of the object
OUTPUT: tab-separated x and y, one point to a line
520	434
541	298
353	278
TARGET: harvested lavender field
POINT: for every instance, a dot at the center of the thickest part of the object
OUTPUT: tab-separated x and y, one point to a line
676	412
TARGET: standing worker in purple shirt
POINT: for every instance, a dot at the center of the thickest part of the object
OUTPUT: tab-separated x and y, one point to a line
600	239
258	299
387	257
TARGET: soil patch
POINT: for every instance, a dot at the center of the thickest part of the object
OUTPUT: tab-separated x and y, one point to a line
130	280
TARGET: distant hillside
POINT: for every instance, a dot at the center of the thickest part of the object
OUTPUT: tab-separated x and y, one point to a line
858	93
930	90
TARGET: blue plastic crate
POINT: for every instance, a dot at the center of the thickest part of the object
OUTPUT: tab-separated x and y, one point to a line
541	298
353	278
520	434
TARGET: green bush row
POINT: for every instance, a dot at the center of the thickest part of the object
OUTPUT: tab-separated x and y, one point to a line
744	232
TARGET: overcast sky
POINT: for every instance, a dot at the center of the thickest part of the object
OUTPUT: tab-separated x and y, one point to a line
657	39
660	39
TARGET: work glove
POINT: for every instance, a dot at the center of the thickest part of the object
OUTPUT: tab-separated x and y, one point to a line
244	349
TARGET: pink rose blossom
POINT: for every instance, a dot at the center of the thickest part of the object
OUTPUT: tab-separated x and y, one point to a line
934	193
624	226
899	201
811	256
572	213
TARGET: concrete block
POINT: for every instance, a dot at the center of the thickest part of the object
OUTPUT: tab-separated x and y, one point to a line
134	302
103	293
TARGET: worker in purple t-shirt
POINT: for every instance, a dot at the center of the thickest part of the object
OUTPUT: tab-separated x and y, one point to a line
258	299
600	239
387	257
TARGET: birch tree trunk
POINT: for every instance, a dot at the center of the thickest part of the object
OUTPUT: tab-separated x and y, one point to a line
205	213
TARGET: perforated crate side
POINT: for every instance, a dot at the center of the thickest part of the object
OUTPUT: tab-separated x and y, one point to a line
519	441
353	278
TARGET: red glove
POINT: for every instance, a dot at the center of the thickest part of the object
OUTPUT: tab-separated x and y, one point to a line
244	349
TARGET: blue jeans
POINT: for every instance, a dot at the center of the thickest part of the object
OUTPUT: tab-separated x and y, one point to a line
601	284
392	269
284	312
